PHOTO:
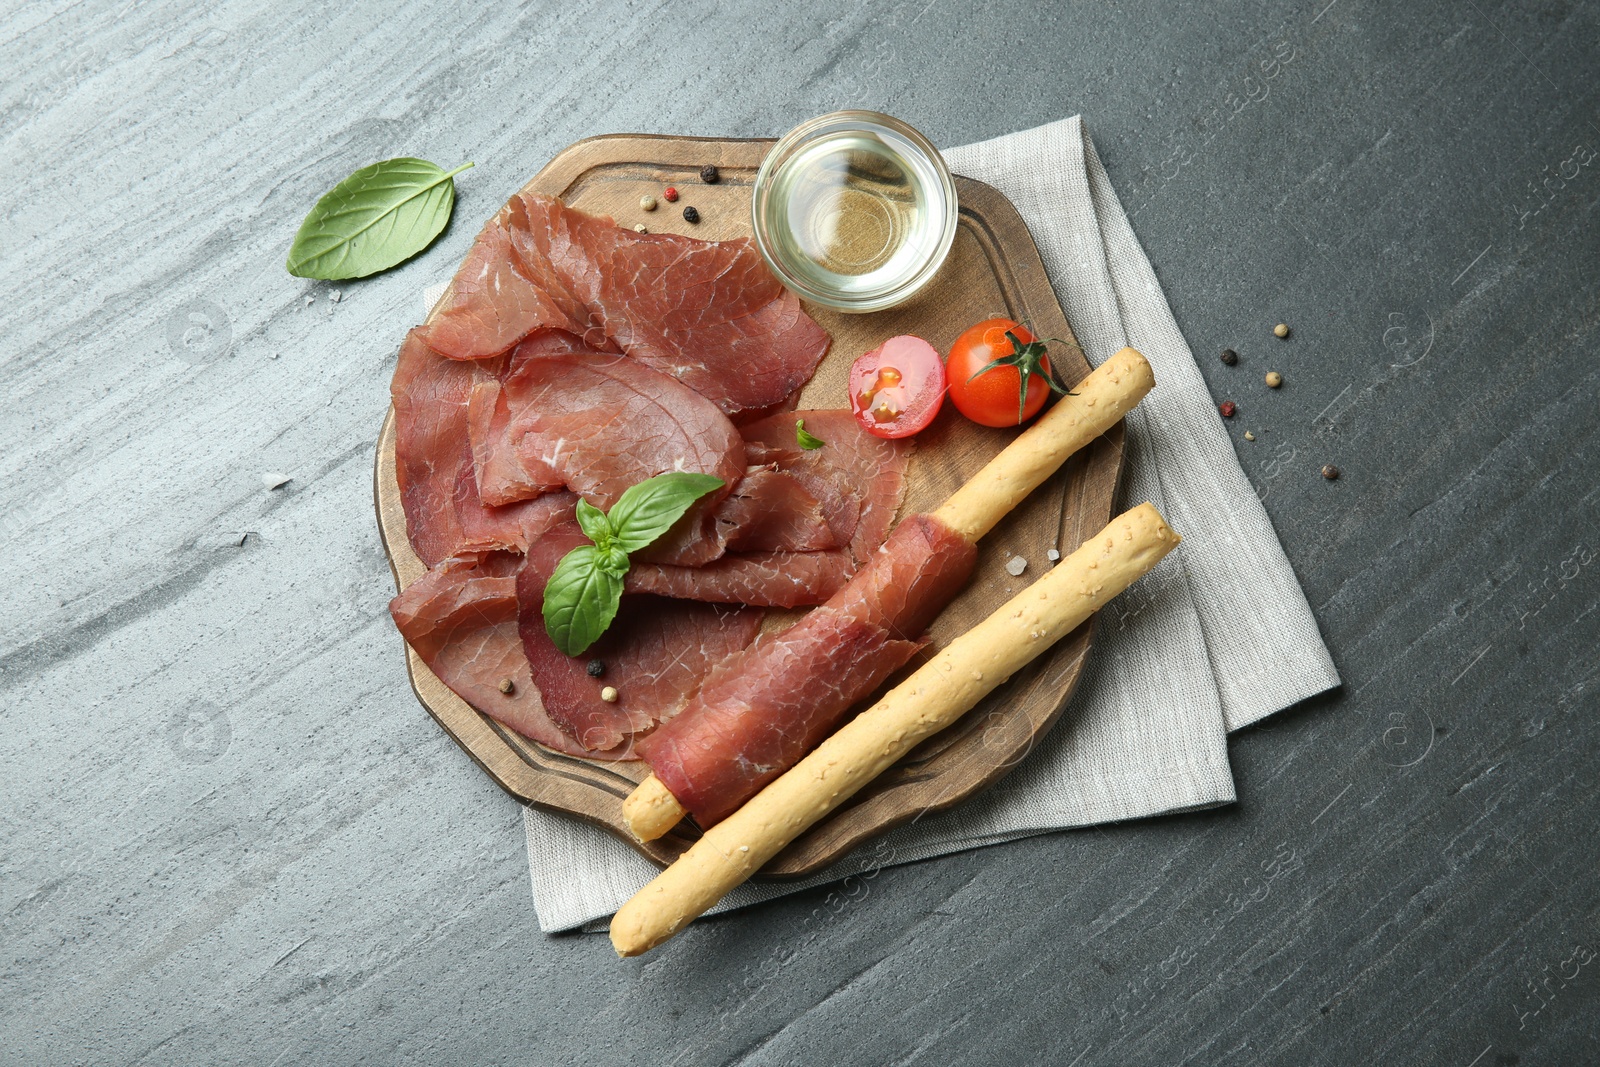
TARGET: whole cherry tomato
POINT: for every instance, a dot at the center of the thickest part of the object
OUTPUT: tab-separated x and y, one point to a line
898	387
999	374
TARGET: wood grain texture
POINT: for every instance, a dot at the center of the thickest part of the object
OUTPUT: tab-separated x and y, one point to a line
227	833
993	270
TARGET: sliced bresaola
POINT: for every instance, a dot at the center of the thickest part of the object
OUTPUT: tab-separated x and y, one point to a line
858	478
445	514
505	475
760	579
778	554
461	618
708	313
763	710
773	511
656	652
495	301
601	422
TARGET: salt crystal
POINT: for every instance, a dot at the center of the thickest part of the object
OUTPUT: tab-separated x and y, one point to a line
275	480
310	300
1052	555
334	296
1016	565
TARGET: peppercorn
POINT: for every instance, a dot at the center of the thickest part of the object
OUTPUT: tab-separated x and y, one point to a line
671	195
638	227
1274	379
1227	407
1330	472
709	175
1248	436
609	694
507	685
596	668
691	215
1280	330
647	202
1229	356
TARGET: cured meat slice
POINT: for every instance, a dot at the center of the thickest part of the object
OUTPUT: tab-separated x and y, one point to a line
461	618
762	711
599	423
910	579
655	654
602	423
760	579
773	511
494	302
767	511
707	313
858	478
445	515
825	660
504	474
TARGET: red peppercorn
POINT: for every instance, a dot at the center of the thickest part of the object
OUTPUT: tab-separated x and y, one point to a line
671	194
1227	407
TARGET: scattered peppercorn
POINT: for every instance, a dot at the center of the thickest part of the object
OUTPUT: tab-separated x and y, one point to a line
691	215
1274	379
1280	330
671	195
638	227
1227	407
596	668
1330	472
507	685
709	175
647	202
1248	436
1229	356
609	694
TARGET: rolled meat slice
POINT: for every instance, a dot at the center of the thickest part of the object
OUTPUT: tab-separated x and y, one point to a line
763	708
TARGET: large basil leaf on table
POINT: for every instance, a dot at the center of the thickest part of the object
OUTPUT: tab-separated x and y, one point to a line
379	216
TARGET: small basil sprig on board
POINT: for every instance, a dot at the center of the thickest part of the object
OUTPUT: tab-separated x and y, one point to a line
379	216
583	592
805	437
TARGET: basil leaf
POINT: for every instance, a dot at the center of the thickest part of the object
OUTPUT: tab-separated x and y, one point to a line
379	216
807	441
596	527
614	561
580	600
583	592
646	511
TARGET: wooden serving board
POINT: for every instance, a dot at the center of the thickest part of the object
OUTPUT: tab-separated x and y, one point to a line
993	270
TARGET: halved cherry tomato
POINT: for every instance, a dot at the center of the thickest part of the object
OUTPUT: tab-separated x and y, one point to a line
986	374
898	387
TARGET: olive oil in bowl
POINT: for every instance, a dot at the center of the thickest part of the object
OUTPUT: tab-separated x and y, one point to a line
854	210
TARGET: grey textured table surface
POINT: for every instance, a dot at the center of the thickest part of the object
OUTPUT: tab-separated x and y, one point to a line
230	834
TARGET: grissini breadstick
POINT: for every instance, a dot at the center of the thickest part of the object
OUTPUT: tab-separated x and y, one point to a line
934	697
651	809
1099	401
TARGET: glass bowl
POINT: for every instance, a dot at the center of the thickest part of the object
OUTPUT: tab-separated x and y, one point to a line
854	210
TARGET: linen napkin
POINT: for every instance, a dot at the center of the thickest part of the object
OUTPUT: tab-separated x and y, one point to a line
1215	638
